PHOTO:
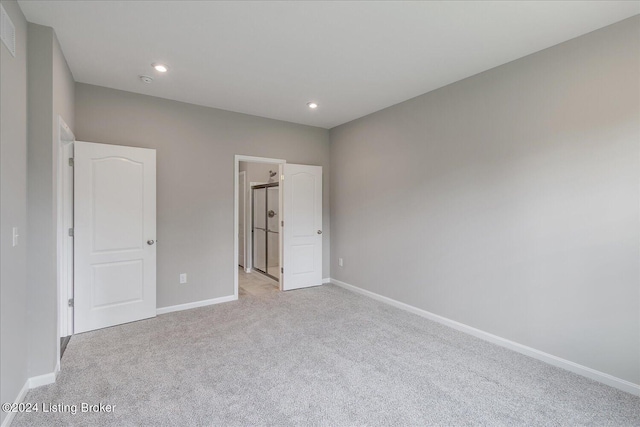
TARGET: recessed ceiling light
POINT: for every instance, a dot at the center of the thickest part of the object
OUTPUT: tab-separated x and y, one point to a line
312	105
160	67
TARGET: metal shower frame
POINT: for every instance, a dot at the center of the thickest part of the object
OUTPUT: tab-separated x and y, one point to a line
266	229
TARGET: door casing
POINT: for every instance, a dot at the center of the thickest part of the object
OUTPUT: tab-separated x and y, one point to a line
64	221
242	229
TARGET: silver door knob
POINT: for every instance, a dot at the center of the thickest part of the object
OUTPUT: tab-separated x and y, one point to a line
319	231
150	242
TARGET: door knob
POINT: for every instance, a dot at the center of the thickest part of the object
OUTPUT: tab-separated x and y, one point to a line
319	231
150	242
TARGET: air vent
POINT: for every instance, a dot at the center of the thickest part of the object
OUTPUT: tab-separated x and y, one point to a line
7	31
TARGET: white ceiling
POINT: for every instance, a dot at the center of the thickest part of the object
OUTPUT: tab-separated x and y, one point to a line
270	58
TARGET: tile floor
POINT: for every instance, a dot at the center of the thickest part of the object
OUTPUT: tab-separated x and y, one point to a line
255	284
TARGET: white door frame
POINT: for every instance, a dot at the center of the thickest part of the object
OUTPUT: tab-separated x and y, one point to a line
64	219
236	170
243	174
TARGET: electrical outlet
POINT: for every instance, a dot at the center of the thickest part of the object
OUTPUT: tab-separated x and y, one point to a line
183	278
340	262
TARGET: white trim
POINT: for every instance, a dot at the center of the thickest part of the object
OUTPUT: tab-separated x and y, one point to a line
602	377
326	280
19	398
196	304
245	257
64	248
236	170
32	382
65	133
41	380
280	227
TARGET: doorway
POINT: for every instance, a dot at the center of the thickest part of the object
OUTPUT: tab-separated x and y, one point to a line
106	198
258	228
260	172
300	228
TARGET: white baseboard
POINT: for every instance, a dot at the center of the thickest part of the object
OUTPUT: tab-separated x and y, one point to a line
19	399
602	377
196	304
326	280
32	382
41	380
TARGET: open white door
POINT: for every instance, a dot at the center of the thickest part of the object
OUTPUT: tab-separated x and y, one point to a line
301	188
114	235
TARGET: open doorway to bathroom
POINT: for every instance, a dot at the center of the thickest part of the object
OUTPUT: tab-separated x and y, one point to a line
265	245
258	229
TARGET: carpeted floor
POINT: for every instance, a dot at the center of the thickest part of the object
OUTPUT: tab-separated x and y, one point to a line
319	356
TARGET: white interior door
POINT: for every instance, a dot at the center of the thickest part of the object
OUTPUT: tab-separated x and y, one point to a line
242	198
114	235
301	189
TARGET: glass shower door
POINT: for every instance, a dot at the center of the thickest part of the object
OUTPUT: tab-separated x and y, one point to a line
266	226
273	236
259	229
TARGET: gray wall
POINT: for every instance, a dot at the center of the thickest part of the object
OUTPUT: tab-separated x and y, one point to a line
13	211
51	93
258	172
195	159
508	201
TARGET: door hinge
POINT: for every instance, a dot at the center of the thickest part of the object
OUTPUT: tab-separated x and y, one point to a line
71	232
282	223
71	161
70	302
282	270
